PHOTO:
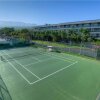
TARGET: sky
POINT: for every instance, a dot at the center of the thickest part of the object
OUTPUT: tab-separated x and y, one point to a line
49	12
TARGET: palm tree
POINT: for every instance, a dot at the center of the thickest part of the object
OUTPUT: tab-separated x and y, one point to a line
85	34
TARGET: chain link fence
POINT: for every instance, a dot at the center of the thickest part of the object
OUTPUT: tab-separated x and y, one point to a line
86	49
4	93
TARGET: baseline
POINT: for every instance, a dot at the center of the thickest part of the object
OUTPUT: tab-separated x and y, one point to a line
54	73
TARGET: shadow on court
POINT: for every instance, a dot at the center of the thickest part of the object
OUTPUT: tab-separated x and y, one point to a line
4	93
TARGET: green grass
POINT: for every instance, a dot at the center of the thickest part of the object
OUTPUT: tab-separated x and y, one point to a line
56	44
80	81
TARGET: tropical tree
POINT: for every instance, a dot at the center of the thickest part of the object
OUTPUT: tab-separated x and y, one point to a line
85	34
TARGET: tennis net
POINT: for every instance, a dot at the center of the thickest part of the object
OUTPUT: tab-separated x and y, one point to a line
21	55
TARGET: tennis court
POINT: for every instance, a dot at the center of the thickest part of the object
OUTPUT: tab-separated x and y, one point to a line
34	73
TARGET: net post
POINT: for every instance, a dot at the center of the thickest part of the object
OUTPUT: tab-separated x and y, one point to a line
98	53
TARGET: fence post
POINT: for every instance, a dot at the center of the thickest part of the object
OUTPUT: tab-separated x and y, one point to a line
98	53
80	48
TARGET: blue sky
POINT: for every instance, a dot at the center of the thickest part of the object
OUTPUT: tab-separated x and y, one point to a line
42	12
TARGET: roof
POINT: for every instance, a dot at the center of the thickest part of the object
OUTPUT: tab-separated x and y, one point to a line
67	23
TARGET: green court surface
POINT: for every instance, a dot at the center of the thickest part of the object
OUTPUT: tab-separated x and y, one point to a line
36	74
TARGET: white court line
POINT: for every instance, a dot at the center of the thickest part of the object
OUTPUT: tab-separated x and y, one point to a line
48	54
36	59
57	57
19	51
32	63
54	73
18	71
48	59
63	57
23	66
37	62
